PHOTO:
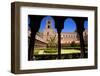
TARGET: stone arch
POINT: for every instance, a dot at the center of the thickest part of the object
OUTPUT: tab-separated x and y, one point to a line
80	29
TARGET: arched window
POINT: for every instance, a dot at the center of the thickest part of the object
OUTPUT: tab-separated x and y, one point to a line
48	26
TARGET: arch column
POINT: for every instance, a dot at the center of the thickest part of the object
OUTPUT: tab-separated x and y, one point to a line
34	26
59	25
80	29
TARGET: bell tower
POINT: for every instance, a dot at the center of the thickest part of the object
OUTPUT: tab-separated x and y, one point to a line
49	24
48	31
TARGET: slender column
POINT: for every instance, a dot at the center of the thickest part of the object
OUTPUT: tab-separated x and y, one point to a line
34	25
31	47
82	54
59	25
59	44
80	30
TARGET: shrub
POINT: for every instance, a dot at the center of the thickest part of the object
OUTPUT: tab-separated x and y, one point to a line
50	50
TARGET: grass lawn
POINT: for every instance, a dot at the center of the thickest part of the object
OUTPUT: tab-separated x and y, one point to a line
69	51
63	51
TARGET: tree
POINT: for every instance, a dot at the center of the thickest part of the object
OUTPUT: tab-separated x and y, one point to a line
52	42
73	44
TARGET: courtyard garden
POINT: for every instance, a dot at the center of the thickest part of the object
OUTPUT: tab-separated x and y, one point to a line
68	51
51	53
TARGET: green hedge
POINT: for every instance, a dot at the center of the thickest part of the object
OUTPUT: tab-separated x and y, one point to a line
72	47
50	50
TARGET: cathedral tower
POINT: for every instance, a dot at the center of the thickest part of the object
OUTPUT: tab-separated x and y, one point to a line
49	30
49	24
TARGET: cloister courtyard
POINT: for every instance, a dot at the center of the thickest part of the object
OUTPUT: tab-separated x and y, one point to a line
49	44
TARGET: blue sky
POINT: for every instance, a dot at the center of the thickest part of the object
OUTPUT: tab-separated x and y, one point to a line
69	24
86	24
